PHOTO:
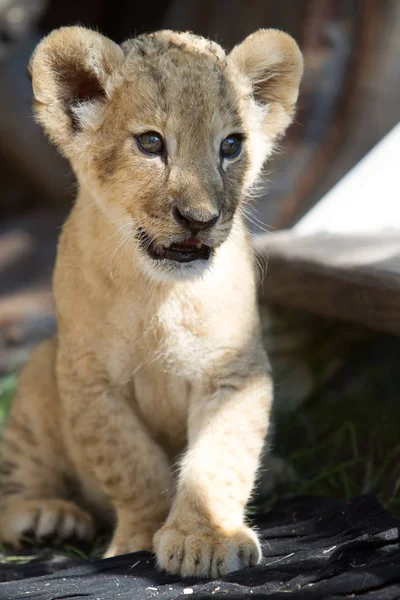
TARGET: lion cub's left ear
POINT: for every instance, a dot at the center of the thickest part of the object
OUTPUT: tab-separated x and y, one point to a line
273	64
71	71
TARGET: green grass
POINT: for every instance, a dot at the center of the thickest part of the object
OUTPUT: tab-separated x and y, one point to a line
7	390
343	448
344	439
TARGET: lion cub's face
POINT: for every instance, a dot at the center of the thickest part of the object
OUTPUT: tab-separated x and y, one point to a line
166	132
172	153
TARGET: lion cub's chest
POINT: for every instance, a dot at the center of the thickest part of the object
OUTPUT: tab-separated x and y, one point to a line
171	361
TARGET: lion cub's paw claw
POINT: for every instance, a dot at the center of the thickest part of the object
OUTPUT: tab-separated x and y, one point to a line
208	553
45	521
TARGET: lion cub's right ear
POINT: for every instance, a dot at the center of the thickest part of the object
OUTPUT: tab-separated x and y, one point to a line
272	63
71	73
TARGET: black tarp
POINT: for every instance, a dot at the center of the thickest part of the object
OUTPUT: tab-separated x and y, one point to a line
314	548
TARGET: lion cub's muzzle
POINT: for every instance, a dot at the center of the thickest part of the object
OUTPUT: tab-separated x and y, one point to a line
190	248
186	251
195	221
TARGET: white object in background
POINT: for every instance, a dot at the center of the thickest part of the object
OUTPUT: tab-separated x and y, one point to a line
366	200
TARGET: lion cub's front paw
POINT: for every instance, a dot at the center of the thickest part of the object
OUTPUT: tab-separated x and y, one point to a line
205	552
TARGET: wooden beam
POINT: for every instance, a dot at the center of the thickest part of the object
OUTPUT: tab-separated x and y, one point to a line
354	278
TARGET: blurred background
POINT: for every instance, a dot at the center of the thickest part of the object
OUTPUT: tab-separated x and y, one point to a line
349	100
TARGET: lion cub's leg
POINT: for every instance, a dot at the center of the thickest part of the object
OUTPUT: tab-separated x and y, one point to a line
115	446
140	486
36	478
206	534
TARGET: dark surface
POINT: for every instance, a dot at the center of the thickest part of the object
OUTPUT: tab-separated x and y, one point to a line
314	548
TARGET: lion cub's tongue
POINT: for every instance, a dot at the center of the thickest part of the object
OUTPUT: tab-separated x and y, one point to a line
189	243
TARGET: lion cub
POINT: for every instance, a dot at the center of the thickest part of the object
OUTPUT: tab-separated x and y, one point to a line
158	359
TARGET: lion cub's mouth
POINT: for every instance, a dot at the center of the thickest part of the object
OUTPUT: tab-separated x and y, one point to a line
186	251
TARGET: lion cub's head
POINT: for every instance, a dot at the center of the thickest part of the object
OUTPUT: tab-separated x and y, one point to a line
166	132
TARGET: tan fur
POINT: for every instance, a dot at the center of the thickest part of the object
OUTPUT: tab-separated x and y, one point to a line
155	364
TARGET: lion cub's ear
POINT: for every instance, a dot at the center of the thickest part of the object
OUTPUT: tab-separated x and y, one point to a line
273	64
71	77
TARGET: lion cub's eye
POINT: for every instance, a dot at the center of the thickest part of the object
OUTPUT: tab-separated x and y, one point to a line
231	146
150	143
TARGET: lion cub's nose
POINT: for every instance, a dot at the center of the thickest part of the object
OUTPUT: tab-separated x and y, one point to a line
194	221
